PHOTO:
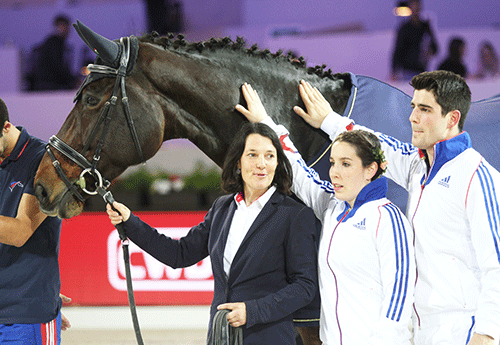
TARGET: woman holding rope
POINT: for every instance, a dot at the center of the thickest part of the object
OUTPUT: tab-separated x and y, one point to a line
262	243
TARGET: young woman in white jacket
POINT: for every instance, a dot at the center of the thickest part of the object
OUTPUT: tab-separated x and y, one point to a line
366	261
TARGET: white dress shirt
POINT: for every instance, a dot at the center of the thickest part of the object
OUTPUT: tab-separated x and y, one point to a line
243	218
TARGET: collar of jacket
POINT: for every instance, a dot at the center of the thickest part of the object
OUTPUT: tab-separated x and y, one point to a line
21	144
372	191
445	151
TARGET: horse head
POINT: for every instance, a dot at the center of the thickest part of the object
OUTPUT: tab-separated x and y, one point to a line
168	88
103	116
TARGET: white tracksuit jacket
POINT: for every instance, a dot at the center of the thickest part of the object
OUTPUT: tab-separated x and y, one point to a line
455	214
366	261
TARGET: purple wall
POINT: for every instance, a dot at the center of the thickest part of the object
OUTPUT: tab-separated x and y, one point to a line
253	19
29	25
373	14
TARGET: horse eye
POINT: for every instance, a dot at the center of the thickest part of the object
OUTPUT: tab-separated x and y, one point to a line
92	101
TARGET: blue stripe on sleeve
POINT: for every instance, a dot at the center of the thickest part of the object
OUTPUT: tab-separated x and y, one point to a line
490	203
396	145
402	264
312	174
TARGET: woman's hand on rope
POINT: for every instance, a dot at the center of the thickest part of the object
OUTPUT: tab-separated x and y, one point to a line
238	315
115	217
256	111
317	106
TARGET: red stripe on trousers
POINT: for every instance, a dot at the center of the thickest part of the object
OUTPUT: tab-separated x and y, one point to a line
49	333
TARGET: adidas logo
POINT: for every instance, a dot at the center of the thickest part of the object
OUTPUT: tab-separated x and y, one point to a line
361	225
445	182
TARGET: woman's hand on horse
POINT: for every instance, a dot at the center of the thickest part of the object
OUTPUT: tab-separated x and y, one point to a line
317	106
238	315
115	217
256	111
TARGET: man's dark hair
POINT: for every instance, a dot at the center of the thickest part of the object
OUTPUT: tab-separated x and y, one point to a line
231	177
450	90
4	114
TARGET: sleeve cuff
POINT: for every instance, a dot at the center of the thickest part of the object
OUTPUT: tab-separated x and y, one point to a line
131	224
334	124
268	121
251	307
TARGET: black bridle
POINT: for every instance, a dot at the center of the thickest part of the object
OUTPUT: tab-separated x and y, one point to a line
101	184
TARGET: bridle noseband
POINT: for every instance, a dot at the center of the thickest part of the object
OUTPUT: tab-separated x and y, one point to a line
79	160
105	118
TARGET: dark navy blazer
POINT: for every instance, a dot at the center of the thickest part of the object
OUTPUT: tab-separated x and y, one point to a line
274	271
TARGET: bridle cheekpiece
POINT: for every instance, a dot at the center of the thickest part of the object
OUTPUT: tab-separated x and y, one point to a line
98	71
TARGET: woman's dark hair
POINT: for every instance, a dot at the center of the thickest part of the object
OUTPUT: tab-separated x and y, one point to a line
367	148
231	176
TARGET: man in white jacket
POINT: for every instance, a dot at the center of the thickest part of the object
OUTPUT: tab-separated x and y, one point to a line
452	206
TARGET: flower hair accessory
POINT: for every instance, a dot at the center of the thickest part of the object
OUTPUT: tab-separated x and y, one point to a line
379	156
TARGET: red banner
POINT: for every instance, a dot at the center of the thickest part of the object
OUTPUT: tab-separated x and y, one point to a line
92	266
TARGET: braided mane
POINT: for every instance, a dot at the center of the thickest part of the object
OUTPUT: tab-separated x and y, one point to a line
178	42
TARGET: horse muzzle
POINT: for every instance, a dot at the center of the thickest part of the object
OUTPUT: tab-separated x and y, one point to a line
62	204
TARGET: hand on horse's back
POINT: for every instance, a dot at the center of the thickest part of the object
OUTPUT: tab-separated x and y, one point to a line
317	106
256	111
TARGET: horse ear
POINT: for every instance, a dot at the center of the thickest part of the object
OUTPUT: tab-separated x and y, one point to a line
107	50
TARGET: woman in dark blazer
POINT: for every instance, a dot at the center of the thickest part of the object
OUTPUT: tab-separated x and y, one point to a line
260	241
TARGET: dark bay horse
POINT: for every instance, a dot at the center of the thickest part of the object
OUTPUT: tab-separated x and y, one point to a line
187	90
179	90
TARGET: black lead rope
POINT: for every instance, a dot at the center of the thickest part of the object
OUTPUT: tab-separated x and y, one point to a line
108	198
223	333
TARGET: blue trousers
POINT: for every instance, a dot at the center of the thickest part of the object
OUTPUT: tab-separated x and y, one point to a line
32	334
